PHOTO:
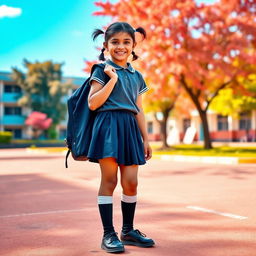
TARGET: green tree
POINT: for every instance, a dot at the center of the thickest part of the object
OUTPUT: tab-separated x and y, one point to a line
43	89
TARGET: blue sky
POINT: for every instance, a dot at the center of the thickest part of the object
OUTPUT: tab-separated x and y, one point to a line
50	30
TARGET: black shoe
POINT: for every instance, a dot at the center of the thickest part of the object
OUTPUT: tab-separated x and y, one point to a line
135	237
111	243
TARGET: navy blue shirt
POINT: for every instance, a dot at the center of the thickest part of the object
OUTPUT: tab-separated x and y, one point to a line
129	85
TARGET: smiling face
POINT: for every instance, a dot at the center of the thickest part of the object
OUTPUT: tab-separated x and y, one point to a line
120	46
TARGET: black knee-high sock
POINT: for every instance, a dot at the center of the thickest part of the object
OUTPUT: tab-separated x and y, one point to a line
128	210
106	213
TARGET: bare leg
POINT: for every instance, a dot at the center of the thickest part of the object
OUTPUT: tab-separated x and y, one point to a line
108	183
129	179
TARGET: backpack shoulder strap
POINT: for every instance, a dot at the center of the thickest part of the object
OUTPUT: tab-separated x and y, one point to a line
66	159
101	65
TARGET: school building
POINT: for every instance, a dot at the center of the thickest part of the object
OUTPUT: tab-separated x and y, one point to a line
222	128
13	116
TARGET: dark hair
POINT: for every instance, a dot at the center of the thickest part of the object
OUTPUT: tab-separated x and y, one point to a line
115	28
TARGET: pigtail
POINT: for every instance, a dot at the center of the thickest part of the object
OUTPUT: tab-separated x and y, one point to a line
134	56
142	31
102	57
96	33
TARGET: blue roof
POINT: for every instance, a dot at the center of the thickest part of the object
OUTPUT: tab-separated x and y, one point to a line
5	76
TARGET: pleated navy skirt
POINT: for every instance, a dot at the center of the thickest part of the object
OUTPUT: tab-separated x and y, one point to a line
116	134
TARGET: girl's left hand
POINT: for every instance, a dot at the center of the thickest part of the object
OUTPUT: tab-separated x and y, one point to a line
147	150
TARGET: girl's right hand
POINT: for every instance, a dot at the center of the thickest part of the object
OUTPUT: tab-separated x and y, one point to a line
110	71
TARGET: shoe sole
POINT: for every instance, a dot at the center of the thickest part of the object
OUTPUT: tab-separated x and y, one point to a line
137	244
114	250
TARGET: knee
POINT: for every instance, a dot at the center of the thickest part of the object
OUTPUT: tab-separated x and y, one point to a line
110	184
130	187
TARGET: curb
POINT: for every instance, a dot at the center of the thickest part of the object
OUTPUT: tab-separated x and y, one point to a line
206	159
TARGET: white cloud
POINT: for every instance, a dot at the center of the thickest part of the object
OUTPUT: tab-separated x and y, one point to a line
6	11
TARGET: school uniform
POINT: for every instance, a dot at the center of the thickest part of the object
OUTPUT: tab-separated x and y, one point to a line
115	131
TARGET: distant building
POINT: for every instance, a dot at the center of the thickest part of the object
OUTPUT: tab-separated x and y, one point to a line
222	128
13	116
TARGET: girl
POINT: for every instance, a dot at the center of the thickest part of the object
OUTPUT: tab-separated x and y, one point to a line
119	136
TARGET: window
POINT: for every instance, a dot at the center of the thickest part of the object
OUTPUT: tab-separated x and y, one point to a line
7	88
222	123
150	127
186	124
16	133
12	111
17	89
245	122
17	111
12	89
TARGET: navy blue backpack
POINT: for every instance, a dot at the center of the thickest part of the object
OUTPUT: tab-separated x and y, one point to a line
80	122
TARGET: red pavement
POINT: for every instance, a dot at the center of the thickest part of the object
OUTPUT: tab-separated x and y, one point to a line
46	209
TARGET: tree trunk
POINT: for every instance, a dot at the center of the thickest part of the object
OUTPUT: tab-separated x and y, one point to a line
207	138
164	128
202	112
36	133
164	134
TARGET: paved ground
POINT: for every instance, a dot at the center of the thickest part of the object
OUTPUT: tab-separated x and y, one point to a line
189	209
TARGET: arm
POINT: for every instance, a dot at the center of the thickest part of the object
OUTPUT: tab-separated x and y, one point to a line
99	94
142	126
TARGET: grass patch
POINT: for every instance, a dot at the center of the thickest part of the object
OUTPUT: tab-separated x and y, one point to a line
198	150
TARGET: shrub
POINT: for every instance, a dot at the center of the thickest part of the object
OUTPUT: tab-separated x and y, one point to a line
52	133
5	137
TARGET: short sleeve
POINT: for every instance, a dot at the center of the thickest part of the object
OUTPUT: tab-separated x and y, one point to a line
99	76
143	87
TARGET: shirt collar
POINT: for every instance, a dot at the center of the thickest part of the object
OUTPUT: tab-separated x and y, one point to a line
117	67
